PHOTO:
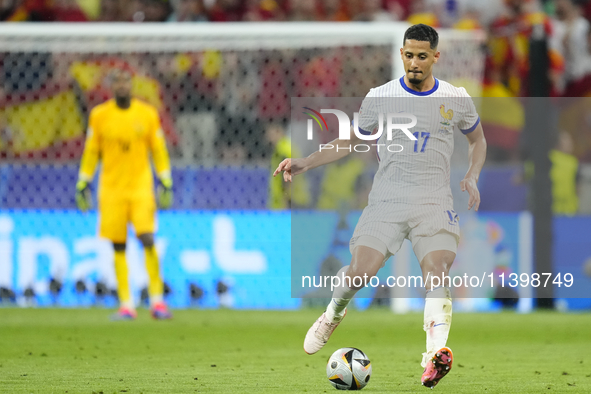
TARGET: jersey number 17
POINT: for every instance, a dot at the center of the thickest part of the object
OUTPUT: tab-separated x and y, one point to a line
424	136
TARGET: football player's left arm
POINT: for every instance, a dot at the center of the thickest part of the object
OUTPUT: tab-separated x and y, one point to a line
476	156
162	164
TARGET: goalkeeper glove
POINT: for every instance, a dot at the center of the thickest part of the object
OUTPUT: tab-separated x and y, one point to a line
83	196
165	193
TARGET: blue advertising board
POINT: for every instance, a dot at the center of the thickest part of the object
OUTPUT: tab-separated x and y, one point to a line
572	255
247	253
256	259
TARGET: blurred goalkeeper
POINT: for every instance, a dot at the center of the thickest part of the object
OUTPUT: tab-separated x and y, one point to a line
122	132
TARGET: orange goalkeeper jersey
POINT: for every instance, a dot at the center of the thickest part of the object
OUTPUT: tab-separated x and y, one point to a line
123	140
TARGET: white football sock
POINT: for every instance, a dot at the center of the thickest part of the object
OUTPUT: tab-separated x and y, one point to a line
437	318
342	295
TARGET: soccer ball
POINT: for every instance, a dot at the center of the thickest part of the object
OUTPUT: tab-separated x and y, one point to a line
348	369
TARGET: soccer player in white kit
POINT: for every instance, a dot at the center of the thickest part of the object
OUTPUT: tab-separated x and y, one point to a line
411	195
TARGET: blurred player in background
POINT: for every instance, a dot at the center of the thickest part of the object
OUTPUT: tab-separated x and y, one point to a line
411	194
565	176
281	196
122	133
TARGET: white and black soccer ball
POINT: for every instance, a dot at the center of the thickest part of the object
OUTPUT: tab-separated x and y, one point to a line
348	369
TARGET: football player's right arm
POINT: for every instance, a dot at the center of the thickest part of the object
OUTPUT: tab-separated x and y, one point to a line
90	157
88	164
336	149
327	153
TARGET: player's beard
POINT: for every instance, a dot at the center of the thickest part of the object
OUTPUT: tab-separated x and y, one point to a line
123	101
414	81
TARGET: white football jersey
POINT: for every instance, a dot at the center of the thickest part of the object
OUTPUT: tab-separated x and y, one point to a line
416	172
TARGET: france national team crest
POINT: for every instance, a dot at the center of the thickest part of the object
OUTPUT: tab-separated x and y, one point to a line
454	218
446	125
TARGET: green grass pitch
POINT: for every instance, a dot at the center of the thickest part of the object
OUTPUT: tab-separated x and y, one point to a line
224	351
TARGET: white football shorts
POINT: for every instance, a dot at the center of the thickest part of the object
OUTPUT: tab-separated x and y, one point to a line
429	227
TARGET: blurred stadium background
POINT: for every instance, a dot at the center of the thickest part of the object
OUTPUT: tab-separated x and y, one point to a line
225	83
224	87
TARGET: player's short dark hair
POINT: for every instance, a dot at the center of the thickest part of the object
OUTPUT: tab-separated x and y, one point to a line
422	32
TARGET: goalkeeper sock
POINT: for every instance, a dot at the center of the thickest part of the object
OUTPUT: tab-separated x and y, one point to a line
437	318
342	296
155	286
121	272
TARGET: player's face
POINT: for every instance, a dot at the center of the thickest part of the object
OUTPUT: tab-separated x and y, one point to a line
121	84
418	59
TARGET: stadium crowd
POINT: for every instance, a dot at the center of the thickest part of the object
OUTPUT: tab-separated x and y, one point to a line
221	10
509	24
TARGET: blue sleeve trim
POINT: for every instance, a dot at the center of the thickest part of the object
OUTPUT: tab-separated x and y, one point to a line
471	129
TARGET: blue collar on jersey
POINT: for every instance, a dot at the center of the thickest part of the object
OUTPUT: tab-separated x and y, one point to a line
409	90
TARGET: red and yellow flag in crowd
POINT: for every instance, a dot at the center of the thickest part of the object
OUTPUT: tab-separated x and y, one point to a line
50	121
509	42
